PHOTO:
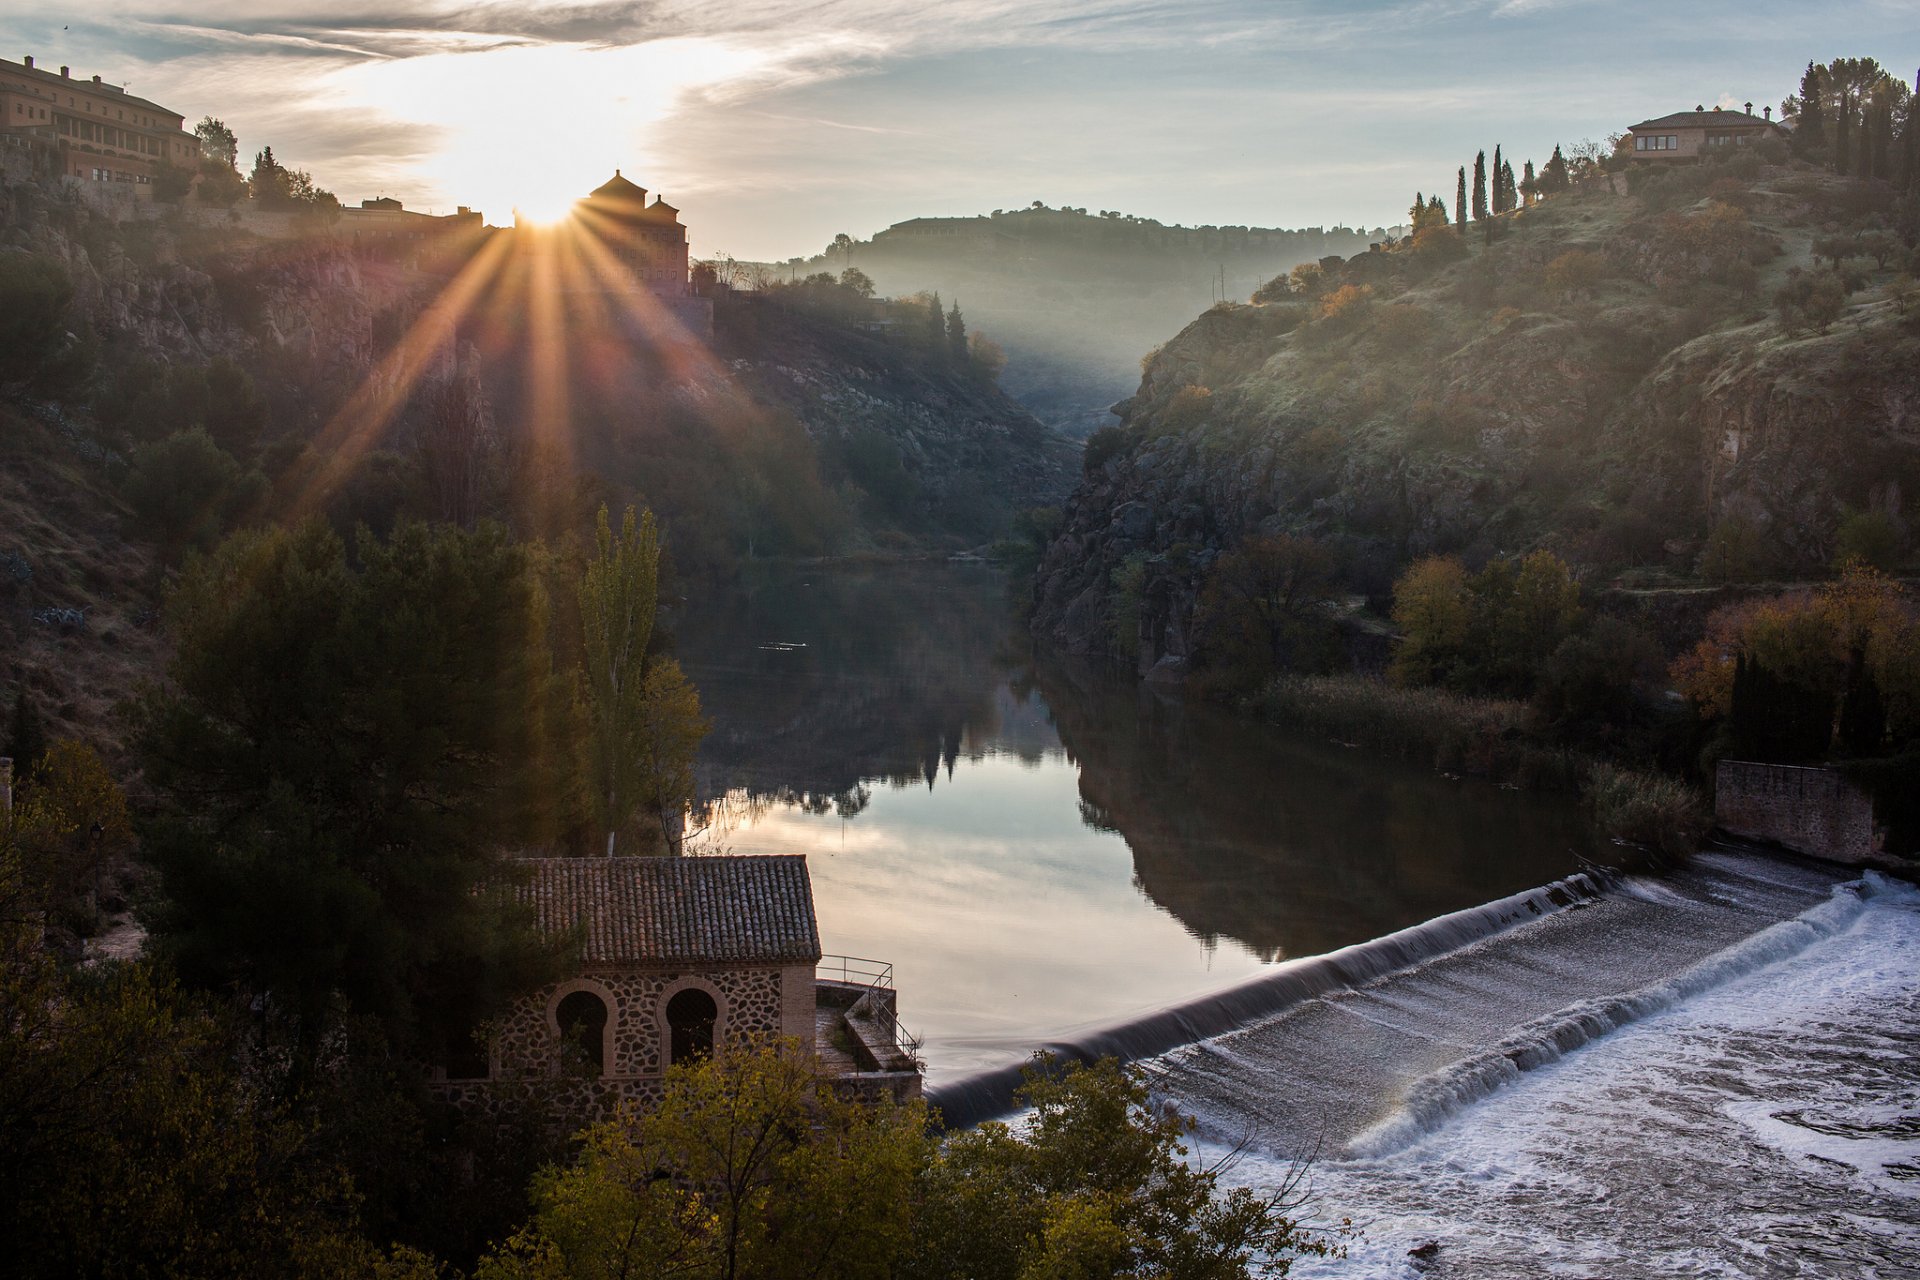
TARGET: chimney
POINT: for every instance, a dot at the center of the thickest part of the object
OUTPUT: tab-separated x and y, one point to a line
65	72
96	79
1767	112
1749	108
6	792
28	61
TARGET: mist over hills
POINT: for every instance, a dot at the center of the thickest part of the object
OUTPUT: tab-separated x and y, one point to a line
1078	298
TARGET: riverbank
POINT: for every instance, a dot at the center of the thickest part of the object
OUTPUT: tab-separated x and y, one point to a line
1490	738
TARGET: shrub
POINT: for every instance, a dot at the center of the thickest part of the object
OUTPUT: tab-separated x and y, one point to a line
1575	272
1102	447
1868	537
1188	407
1647	809
35	295
1810	300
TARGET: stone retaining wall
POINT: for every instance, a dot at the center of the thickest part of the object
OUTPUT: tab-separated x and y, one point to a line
1811	810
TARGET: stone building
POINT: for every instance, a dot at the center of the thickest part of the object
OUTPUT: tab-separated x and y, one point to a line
1688	135
679	957
99	131
647	239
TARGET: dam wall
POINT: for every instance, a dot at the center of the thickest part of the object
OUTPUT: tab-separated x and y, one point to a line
1809	810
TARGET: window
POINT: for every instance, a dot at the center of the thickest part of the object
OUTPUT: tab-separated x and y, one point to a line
690	1017
582	1016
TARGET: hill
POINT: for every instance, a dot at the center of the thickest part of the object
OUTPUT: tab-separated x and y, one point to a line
1076	298
1662	377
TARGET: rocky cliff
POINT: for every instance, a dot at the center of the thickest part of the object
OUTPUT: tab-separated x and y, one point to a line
1605	379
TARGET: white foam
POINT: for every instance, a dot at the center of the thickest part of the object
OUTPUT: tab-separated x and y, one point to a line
1432	1099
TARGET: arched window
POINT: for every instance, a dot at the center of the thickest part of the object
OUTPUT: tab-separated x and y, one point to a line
690	1018
582	1016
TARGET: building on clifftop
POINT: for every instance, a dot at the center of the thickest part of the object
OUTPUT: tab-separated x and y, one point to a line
679	958
1689	135
98	131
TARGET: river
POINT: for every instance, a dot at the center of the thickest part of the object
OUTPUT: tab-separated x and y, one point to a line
1041	847
1503	1063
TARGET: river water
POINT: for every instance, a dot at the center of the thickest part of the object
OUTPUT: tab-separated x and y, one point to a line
1040	848
1502	1063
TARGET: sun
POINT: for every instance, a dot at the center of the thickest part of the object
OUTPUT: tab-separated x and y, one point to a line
530	128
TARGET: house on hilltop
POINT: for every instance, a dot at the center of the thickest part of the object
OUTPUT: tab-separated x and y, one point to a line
679	958
1688	135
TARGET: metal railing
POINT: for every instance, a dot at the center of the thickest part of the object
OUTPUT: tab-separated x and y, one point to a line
877	977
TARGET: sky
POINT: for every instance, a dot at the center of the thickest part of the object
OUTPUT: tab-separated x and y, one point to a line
774	124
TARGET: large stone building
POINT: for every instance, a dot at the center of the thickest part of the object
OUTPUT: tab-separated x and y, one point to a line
1688	135
679	958
99	132
647	239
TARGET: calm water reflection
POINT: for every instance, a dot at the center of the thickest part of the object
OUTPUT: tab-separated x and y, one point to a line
1039	846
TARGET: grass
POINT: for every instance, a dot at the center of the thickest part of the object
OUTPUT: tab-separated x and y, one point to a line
1491	738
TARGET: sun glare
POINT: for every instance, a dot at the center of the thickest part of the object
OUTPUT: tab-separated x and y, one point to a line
529	129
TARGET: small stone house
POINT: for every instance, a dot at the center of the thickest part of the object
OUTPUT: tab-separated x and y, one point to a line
1688	135
679	957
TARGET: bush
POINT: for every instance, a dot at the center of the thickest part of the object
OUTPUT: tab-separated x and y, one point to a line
35	295
1810	300
1868	537
1102	446
1646	809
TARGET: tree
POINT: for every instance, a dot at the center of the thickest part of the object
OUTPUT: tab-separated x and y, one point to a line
171	182
269	185
1423	215
670	732
26	736
1499	194
217	143
1460	202
1432	612
1265	609
70	820
186	491
1098	1182
618	596
956	337
1480	210
936	329
1553	178
858	281
339	754
843	245
1810	127
753	1165
1529	185
988	357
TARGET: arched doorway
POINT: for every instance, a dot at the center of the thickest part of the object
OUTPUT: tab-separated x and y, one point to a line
690	1017
582	1016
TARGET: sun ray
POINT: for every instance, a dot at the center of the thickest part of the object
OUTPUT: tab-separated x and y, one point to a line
428	342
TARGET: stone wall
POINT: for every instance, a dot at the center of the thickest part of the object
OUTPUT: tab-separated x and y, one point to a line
1816	811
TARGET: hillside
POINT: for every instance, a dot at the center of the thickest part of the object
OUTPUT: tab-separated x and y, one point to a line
168	379
1076	298
1606	379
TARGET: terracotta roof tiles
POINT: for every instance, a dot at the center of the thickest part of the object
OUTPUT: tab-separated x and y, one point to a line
679	910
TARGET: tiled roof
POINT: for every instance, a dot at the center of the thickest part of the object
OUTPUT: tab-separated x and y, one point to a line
678	910
1703	120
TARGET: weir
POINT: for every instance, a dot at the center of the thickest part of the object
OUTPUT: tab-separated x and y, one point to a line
987	1095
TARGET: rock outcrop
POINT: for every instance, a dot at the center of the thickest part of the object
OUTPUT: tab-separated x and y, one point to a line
1634	408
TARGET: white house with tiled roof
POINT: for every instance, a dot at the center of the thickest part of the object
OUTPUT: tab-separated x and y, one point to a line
677	958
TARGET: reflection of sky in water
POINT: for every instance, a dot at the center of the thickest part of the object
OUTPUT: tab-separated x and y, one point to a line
1006	918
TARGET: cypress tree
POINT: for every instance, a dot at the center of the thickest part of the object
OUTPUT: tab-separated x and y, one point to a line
1863	714
936	329
1810	125
1863	160
957	336
1460	202
1529	185
1498	196
1553	178
1480	187
1509	189
1883	136
27	737
1842	120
